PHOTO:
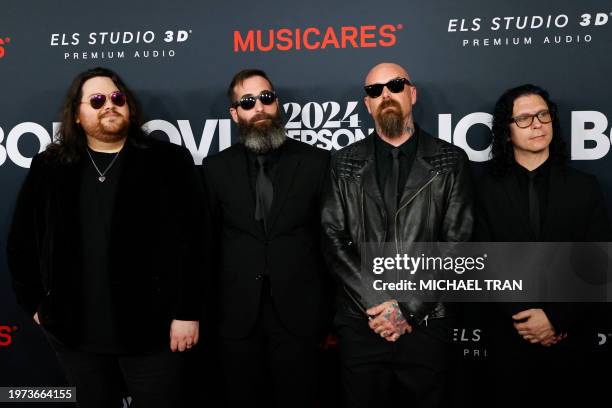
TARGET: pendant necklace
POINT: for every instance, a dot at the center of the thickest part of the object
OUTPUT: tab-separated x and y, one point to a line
102	175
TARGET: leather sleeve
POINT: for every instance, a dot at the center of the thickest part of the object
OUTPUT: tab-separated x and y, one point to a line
340	250
457	226
459	217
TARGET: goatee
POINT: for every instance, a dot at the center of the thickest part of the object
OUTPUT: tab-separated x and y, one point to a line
262	134
391	121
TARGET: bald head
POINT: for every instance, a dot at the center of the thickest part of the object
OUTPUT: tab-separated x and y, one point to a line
390	103
384	72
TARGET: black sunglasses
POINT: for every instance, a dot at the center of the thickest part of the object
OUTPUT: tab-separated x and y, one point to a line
98	100
395	85
248	102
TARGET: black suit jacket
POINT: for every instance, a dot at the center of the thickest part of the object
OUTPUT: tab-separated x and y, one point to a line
575	212
155	245
289	253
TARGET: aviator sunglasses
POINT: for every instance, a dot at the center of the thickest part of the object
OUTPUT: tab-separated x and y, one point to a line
98	100
248	102
395	85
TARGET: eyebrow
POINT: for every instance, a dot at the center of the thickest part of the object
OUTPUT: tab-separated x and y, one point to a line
529	113
250	94
102	93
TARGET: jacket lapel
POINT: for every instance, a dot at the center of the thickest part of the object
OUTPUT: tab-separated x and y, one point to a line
68	193
370	182
67	203
556	196
512	190
130	182
288	163
420	172
238	172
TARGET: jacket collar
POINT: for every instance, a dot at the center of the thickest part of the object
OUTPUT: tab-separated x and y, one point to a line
288	162
557	193
420	173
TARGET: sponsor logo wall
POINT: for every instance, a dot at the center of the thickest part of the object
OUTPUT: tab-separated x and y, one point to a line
179	58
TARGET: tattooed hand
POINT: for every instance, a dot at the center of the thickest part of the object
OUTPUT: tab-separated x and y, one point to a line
388	321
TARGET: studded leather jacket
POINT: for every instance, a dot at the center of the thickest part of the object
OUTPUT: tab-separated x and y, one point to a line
435	206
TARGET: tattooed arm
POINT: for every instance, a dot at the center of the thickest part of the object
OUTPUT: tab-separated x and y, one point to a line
388	320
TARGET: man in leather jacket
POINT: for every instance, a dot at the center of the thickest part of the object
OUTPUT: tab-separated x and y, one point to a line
398	185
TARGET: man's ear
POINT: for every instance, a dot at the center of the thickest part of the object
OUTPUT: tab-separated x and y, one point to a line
366	102
234	114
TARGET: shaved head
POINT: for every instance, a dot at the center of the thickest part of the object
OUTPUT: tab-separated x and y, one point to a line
391	110
387	70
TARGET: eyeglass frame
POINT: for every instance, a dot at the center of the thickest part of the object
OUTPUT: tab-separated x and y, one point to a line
108	97
514	119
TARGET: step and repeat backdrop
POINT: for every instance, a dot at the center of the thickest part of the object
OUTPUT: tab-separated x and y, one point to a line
179	57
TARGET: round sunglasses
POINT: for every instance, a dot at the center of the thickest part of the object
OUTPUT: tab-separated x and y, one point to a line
395	85
98	100
248	102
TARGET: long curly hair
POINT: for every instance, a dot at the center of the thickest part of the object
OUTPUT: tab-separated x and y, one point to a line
502	153
70	142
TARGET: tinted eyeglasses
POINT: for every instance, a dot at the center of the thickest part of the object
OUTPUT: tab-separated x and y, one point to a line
249	101
524	121
98	100
395	85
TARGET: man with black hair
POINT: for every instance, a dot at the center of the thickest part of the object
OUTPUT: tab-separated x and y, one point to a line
103	248
264	196
530	194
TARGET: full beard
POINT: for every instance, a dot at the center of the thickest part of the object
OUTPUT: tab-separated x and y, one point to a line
263	137
109	131
391	121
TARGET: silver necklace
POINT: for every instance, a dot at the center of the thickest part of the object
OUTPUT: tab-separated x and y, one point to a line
102	175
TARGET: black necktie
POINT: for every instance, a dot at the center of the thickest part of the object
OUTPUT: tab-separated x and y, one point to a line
264	191
391	185
534	206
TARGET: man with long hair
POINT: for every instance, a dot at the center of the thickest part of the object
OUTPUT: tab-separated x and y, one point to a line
531	194
103	248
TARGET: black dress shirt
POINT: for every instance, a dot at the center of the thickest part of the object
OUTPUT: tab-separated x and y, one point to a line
384	160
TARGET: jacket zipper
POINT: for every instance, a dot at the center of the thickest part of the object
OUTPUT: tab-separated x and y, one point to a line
408	202
401	208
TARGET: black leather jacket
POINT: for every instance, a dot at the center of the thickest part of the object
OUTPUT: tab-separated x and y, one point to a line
436	205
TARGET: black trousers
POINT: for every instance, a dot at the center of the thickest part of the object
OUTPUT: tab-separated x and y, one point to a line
411	372
271	367
153	380
534	375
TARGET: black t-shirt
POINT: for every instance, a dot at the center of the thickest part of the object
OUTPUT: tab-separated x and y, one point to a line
97	199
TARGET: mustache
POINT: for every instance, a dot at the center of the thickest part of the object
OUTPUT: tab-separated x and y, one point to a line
262	116
388	103
110	112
